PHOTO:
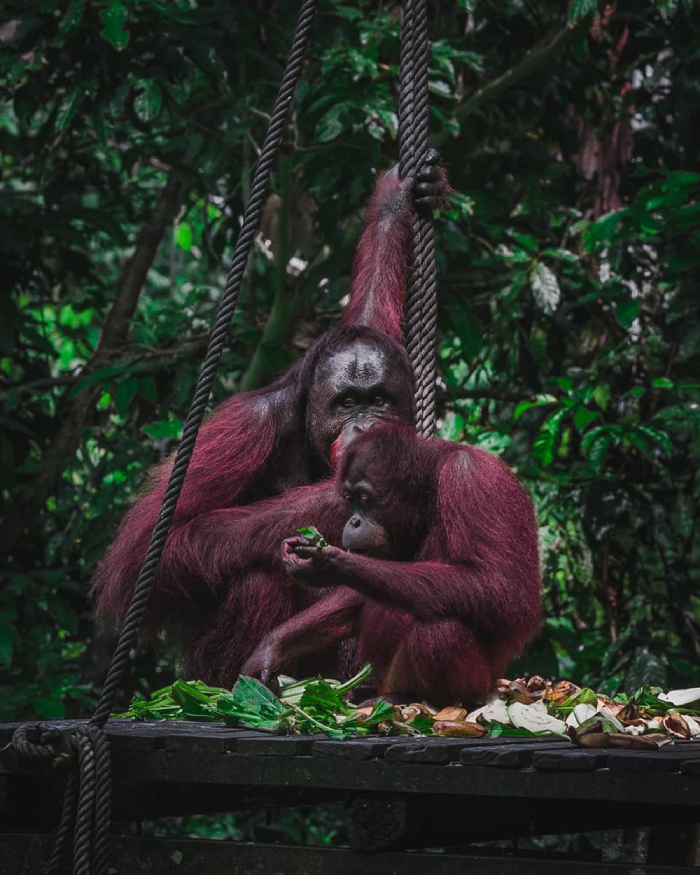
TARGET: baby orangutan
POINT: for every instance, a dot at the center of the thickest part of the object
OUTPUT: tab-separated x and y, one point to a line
439	579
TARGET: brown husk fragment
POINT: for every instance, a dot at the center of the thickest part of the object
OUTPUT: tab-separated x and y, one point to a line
562	691
676	724
520	693
628	713
613	707
361	714
638	742
537	686
406	713
459	729
593	736
451	713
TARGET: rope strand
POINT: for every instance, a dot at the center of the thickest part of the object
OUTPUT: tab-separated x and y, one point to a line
414	137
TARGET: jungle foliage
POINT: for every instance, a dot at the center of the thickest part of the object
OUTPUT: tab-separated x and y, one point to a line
569	267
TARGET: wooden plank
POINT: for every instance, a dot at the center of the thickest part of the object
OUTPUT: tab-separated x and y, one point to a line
668	759
26	855
575	760
428	750
513	756
353	749
275	745
377	774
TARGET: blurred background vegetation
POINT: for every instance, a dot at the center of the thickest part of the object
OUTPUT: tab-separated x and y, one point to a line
569	268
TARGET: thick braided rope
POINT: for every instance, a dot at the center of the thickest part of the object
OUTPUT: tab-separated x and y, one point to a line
421	295
406	98
103	802
65	828
87	801
82	836
207	375
87	806
407	160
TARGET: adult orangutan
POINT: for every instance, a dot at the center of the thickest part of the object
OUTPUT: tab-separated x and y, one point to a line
441	580
263	443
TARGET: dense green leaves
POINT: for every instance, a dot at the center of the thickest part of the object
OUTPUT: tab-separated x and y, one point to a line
569	266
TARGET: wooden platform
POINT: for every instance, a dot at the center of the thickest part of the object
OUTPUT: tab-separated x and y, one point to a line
400	793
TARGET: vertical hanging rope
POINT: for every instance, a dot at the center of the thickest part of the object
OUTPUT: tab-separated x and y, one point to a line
414	134
87	802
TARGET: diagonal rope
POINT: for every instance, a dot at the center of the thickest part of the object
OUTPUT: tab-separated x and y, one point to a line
87	802
207	375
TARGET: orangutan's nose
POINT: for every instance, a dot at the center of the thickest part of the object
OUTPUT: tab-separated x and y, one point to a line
351	431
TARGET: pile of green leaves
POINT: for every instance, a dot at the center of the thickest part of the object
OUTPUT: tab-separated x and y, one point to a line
308	706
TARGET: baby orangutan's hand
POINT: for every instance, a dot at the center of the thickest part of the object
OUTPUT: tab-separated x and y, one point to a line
309	564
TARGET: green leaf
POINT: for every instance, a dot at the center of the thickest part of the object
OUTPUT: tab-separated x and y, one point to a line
544	401
183	237
603	231
657	436
314	535
545	287
601	395
627	312
662	383
553	422
68	108
595	445
95	377
683	179
467	328
543	447
113	18
168	428
8	640
583	418
125	391
250	694
581	8
330	125
72	18
148	101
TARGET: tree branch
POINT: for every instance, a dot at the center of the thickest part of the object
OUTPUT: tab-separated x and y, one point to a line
534	60
161	358
79	411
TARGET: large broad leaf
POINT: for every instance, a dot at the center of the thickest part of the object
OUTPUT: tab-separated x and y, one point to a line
657	436
595	445
250	695
545	287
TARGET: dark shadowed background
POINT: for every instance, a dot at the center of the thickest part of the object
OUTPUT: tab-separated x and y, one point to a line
569	266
